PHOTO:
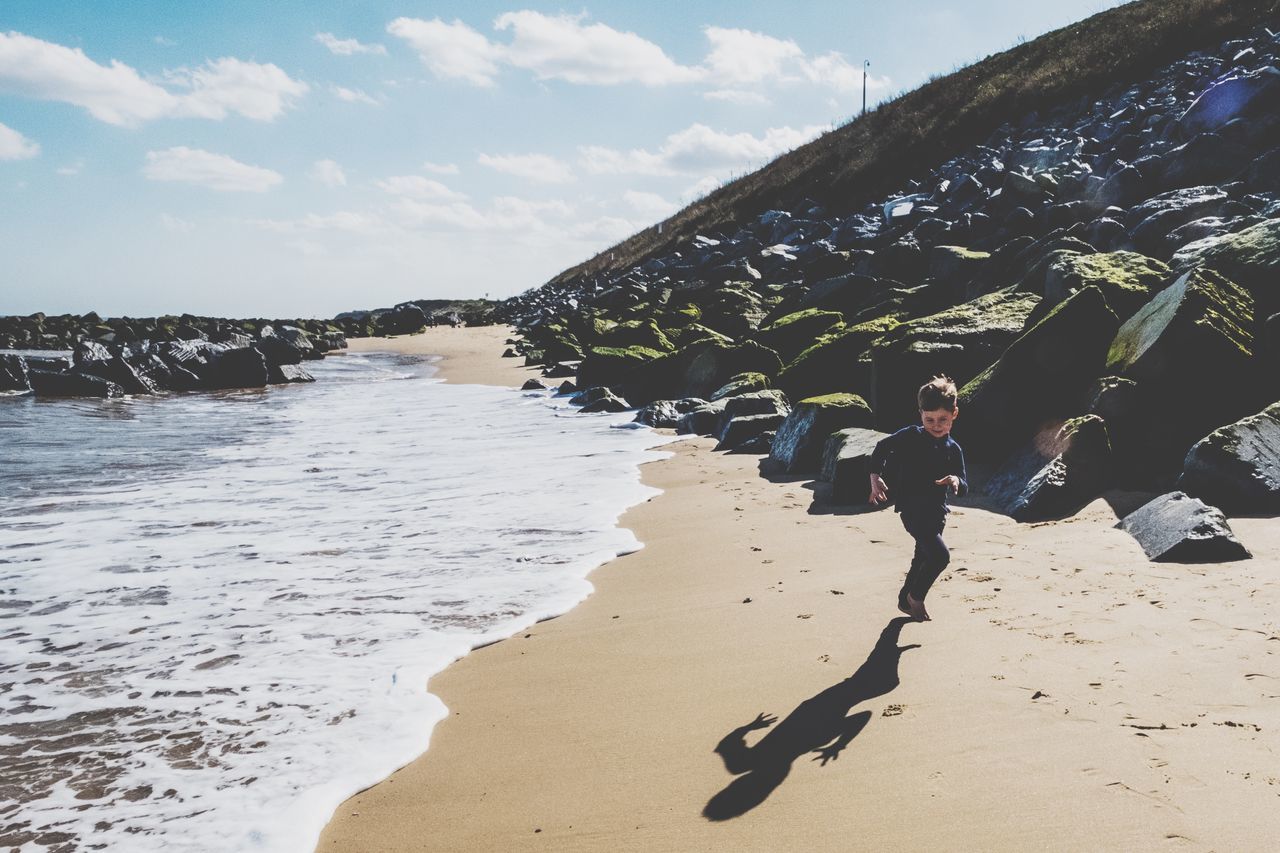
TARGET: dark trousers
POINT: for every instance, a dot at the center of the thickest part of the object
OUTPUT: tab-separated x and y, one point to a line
931	555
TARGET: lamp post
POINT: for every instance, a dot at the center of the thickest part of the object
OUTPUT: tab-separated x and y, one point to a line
866	63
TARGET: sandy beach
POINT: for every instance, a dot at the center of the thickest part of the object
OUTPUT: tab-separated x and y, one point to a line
1069	694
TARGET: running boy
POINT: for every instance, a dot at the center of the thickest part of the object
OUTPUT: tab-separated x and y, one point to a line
922	464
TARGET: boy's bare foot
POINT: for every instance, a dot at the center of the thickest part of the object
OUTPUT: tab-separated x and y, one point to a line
916	609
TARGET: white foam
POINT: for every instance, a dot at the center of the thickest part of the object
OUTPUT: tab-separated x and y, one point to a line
239	598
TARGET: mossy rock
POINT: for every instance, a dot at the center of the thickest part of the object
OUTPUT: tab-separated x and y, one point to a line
694	333
798	446
1250	258
743	383
633	333
791	335
698	370
846	459
959	342
1190	352
613	366
834	362
1127	280
953	267
1040	377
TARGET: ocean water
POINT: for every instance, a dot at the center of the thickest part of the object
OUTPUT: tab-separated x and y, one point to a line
219	612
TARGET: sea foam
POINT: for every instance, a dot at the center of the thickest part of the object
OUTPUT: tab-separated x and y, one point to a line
219	612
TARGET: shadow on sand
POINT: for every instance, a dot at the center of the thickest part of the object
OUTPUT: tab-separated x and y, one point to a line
821	724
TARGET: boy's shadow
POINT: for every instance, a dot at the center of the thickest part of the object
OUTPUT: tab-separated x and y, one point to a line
818	724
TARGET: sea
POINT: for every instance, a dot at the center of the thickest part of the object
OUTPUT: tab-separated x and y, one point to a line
219	611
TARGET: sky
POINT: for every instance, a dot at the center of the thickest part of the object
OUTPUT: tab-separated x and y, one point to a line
246	158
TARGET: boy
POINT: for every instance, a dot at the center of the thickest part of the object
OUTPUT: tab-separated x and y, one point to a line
922	463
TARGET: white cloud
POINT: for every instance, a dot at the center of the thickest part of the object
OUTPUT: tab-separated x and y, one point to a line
506	213
215	171
450	50
416	186
342	93
649	205
742	56
229	85
833	71
71	169
564	47
698	150
534	167
117	94
15	146
348	47
349	221
176	225
702	187
329	173
440	168
736	96
164	42
603	230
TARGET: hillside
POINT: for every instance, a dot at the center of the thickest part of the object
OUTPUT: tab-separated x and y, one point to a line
870	155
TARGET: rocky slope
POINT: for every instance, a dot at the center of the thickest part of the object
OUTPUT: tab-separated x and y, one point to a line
1099	277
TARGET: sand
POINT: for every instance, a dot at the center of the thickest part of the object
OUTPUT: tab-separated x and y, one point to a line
468	356
1068	695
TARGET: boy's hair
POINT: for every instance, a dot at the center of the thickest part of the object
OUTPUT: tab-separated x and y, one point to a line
938	393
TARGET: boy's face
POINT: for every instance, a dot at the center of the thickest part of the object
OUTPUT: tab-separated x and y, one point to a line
937	422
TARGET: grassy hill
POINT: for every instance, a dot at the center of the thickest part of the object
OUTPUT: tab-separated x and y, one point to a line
873	154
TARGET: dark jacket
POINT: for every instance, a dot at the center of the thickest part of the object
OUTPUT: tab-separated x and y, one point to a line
910	460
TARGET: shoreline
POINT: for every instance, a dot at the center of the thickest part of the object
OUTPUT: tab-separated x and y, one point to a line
1061	668
466	355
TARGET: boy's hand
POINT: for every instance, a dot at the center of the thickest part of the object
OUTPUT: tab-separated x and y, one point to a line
879	491
951	481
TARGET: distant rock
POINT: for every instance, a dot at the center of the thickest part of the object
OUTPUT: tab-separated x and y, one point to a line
1244	94
743	383
743	428
607	403
286	374
1176	528
533	385
666	414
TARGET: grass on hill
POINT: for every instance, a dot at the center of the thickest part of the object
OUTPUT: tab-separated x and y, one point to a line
874	154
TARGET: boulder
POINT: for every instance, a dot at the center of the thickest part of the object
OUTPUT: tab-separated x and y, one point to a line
1206	158
46	383
606	403
759	445
698	370
241	368
846	458
567	387
116	369
743	383
1040	377
1177	528
960	342
1249	258
1126	280
702	420
790	335
635	333
533	385
953	267
14	374
1190	347
1242	95
613	365
1055	474
89	351
836	362
277	350
743	428
798	446
404	319
286	374
666	414
1237	467
591	395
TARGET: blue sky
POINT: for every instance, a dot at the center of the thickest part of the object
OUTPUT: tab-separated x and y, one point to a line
290	158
